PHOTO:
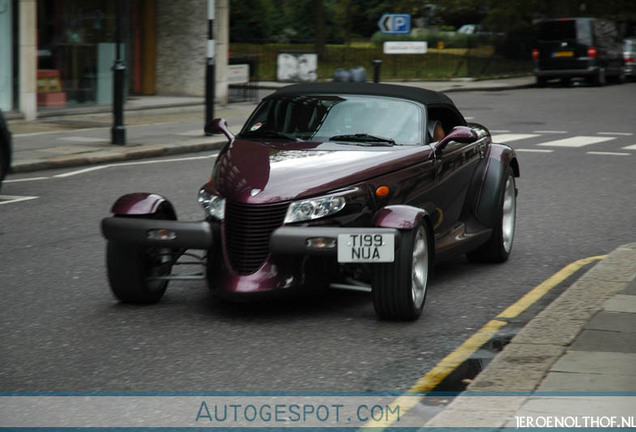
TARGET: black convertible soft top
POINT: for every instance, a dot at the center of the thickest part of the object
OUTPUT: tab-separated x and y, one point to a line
423	96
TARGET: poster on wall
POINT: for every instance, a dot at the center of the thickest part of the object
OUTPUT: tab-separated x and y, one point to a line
297	67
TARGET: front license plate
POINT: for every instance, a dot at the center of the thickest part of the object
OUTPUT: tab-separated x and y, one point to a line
366	248
564	54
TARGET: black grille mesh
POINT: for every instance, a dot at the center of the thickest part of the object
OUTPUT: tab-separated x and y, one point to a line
247	232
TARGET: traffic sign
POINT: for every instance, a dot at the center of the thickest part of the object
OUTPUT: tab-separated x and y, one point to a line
395	23
407	47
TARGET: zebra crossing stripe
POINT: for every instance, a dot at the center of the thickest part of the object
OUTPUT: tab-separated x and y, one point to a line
533	150
504	138
577	141
608	153
630	147
616	133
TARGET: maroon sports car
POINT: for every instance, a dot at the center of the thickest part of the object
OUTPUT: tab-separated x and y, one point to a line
356	185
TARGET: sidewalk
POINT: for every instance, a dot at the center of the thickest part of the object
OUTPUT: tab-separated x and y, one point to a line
580	346
37	145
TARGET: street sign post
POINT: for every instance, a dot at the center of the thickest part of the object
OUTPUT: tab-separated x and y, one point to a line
395	23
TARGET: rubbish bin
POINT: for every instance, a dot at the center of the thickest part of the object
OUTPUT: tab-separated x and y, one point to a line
358	74
342	75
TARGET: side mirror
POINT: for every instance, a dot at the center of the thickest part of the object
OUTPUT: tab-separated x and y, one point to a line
482	131
461	134
218	126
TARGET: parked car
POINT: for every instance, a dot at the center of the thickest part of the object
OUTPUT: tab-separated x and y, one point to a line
629	54
570	48
5	149
344	184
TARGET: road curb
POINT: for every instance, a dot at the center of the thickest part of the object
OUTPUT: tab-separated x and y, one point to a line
525	362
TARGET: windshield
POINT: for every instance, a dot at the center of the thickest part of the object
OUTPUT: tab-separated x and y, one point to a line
352	119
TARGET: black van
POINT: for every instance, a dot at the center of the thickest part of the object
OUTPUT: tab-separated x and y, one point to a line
569	48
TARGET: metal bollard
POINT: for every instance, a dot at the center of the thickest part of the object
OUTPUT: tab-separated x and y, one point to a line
376	70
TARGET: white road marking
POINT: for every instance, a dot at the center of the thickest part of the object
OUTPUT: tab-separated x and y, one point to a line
550	132
499	131
609	153
630	147
100	167
26	179
615	133
577	141
14	199
534	150
512	137
81	139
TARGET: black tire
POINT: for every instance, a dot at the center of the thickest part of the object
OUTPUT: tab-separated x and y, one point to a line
600	79
130	267
499	246
542	81
397	295
4	167
621	77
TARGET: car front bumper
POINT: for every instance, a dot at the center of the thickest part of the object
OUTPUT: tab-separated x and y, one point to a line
295	240
286	240
159	232
567	73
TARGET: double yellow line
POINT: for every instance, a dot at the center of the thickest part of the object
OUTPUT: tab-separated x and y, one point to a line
449	363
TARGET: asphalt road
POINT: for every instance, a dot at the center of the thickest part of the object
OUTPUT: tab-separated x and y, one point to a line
61	330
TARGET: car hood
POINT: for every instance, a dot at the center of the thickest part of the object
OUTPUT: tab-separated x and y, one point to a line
254	172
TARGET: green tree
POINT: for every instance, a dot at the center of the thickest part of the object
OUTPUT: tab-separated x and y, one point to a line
251	20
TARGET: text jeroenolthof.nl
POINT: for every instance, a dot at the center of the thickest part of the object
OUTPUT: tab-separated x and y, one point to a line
575	421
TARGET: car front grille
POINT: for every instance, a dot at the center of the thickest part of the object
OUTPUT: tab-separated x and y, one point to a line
247	232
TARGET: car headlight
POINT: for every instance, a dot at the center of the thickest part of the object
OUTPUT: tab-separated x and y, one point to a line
212	204
311	209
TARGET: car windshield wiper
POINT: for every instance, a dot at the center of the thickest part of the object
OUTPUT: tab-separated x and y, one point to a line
272	134
364	138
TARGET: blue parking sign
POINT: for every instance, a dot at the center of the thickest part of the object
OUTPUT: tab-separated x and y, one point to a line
395	23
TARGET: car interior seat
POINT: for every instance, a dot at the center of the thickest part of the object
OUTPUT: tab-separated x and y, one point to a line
435	130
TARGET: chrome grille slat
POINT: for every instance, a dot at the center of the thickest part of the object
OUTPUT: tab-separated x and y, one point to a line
247	232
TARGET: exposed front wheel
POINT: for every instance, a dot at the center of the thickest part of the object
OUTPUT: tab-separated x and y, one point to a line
134	272
499	246
399	288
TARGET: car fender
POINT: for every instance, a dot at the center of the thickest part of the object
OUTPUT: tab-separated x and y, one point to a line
489	182
399	216
142	203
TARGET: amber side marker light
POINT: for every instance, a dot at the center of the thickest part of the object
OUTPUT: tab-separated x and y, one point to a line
321	242
382	191
161	234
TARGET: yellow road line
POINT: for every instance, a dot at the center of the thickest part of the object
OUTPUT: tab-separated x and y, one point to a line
449	363
540	290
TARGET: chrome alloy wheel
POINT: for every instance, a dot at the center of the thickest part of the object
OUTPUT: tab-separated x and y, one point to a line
509	213
419	267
